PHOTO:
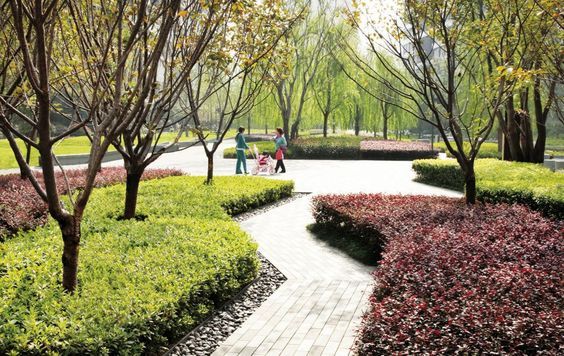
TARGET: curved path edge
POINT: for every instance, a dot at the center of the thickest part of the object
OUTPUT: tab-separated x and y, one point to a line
317	311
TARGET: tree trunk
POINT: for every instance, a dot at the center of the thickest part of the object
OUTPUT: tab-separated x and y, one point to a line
540	118
294	130
526	138
513	136
71	239
325	123
470	185
209	178
131	193
286	123
385	128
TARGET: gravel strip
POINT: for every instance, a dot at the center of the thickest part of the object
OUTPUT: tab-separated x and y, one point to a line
207	337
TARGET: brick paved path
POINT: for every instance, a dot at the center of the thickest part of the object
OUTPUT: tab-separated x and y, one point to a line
317	311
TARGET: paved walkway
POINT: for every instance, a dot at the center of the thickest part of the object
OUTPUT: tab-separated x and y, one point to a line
318	309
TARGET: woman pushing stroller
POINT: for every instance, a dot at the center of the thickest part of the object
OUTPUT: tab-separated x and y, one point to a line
281	146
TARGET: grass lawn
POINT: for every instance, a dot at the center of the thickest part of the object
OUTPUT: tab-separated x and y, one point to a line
71	145
501	181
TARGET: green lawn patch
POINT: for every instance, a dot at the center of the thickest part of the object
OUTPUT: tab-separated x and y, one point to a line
501	181
71	145
142	284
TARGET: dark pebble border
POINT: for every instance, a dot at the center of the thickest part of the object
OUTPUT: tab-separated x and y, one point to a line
207	337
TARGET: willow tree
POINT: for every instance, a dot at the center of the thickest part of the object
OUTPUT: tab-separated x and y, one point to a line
433	62
306	42
80	51
329	82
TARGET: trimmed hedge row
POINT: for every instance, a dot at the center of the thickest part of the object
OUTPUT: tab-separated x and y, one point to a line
345	148
262	146
142	284
22	209
501	181
333	147
455	278
487	150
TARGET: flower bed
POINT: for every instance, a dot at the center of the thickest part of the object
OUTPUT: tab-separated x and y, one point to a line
141	284
455	278
22	209
501	181
396	150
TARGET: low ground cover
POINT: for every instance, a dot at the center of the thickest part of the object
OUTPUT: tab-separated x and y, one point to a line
142	284
455	278
22	209
501	181
345	147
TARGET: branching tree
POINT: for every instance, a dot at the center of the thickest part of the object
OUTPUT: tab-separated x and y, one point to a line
235	69
328	84
523	39
428	42
94	42
291	87
140	143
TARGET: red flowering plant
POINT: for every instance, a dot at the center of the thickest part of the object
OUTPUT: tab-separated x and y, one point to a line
457	278
400	150
22	209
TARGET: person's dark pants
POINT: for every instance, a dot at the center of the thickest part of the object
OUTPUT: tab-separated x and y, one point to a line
280	164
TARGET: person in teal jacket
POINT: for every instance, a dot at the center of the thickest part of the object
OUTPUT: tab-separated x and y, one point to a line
241	146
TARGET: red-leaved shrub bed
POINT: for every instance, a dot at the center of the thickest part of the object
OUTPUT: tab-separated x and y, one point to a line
396	150
22	209
454	278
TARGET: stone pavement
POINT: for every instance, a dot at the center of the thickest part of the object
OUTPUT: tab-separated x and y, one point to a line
317	310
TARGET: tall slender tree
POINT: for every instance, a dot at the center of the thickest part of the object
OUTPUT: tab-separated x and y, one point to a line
59	55
428	40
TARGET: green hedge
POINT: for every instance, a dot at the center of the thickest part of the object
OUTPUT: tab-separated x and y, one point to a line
262	146
501	181
333	147
142	284
343	148
487	150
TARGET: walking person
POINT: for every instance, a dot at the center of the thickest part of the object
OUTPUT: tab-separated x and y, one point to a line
241	146
280	148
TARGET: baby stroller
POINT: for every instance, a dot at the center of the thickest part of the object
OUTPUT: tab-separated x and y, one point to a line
263	162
